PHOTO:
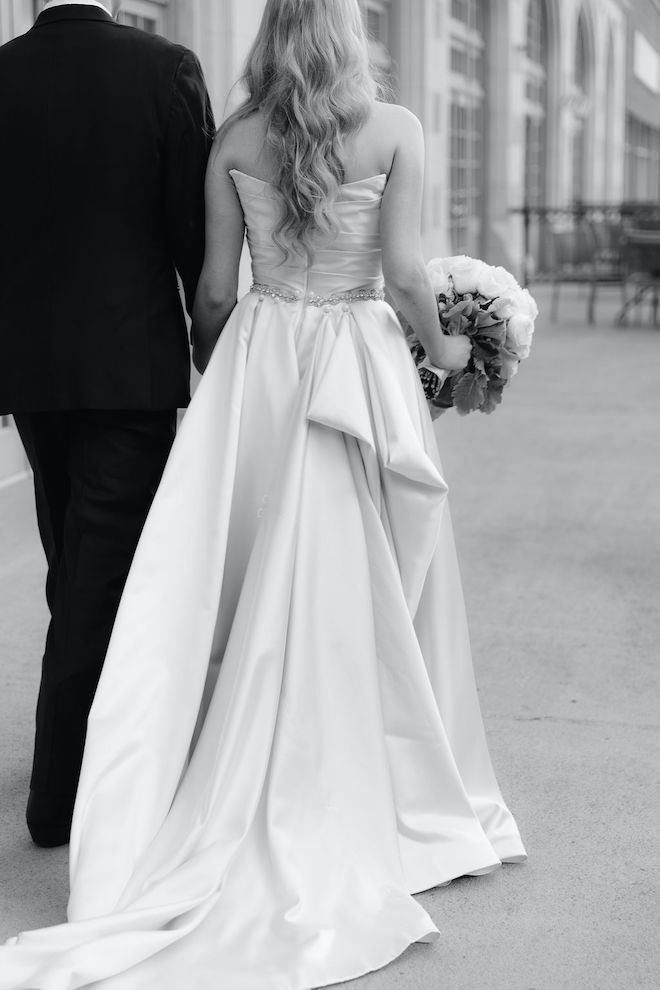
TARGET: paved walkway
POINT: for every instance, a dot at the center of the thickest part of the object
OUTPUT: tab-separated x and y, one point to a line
556	501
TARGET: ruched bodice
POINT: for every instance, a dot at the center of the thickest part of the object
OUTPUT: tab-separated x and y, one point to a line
343	261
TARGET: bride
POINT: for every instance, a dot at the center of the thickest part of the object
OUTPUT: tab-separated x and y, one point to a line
286	742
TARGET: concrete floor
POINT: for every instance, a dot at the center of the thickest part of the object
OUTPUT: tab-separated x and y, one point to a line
556	503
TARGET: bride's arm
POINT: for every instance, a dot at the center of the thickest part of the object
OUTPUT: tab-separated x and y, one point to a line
404	270
218	283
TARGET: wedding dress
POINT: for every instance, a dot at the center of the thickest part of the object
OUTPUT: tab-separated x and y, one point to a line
286	743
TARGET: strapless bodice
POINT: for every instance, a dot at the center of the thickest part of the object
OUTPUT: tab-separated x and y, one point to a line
343	262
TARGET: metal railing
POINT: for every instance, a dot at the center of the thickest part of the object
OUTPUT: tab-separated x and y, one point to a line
606	221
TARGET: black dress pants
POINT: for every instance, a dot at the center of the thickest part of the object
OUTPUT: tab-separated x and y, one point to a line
95	475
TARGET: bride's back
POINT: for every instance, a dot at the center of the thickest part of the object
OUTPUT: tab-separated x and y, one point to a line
368	152
340	173
389	144
311	121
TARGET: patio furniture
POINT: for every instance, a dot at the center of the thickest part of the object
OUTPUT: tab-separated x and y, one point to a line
641	264
588	253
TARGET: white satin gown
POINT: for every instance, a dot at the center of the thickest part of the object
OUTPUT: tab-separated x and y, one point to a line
286	743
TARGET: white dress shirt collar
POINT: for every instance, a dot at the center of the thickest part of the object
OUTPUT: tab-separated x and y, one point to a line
83	3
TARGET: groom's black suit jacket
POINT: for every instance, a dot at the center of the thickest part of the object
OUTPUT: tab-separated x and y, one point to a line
105	134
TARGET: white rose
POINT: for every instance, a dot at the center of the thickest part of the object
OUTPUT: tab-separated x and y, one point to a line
464	271
519	332
495	281
439	277
528	304
509	366
507	304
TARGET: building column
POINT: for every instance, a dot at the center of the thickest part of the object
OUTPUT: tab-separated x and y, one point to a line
616	109
16	17
504	159
608	111
555	151
418	47
198	25
599	110
562	159
6	21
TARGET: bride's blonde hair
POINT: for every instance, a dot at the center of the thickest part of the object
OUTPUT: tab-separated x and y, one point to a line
309	75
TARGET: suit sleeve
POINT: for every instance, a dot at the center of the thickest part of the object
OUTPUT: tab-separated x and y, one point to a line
190	133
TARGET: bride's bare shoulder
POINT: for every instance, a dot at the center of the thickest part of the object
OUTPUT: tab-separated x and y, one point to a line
241	145
387	129
394	113
398	120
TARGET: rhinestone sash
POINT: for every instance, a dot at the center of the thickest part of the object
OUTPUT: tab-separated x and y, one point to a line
312	299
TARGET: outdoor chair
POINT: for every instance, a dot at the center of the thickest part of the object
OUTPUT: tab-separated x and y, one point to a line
607	236
641	265
588	253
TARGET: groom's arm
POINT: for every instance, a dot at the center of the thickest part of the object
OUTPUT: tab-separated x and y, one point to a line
190	133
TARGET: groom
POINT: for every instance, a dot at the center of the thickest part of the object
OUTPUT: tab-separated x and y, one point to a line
106	132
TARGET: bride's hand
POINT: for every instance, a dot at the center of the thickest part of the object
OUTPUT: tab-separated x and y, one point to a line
453	353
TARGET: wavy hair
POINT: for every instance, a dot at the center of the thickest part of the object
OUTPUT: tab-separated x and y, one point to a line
308	72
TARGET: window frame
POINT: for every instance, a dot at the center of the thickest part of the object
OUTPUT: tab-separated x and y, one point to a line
151	10
535	106
467	132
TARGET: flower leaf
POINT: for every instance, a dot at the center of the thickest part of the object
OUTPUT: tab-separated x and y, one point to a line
484	349
462	308
469	392
485	319
444	399
496	333
493	398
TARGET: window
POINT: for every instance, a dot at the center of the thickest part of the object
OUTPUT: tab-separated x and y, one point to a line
147	15
377	24
466	144
579	151
581	106
536	107
534	161
467	61
470	13
466	151
536	32
377	20
377	17
581	57
642	161
610	96
149	24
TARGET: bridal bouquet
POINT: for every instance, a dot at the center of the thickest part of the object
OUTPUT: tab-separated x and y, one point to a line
488	305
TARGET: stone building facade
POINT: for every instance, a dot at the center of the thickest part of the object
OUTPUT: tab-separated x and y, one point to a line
538	102
521	100
642	141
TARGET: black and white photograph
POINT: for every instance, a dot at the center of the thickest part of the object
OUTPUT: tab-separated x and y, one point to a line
329	494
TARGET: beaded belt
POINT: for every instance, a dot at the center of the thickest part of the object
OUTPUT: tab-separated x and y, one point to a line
312	299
